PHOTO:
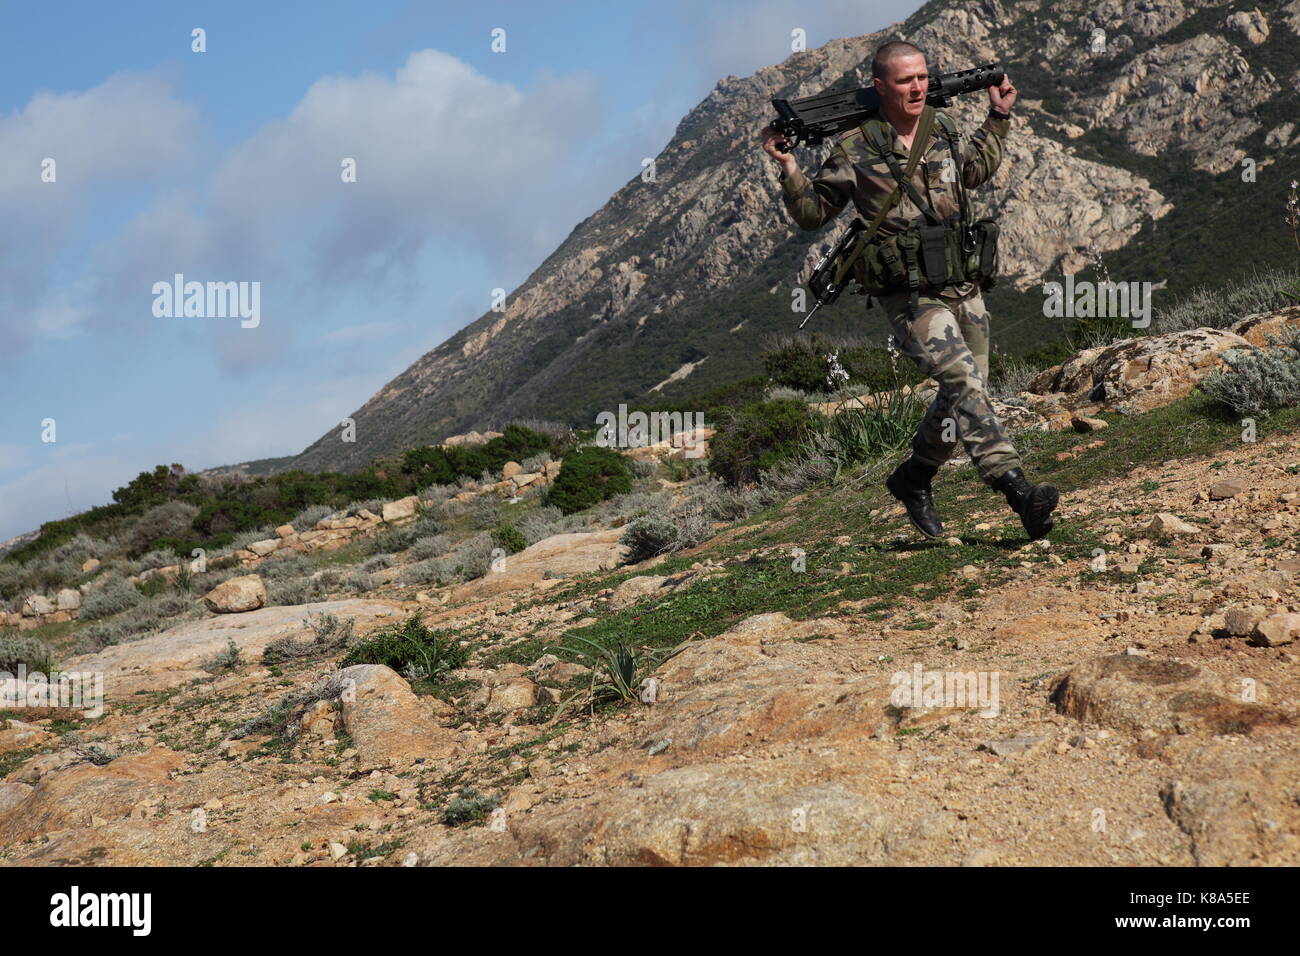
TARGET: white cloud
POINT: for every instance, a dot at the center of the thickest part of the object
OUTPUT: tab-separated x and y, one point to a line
72	479
130	128
443	154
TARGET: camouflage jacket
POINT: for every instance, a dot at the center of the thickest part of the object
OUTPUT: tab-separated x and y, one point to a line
854	171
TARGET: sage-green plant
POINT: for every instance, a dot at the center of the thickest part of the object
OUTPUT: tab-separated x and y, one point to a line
616	671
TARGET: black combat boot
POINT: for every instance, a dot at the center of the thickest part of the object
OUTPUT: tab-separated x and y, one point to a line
910	484
1034	503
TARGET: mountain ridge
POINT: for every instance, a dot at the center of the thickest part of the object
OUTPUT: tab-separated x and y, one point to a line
685	267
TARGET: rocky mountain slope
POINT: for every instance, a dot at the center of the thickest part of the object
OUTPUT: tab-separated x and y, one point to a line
1127	150
1121	735
1129	688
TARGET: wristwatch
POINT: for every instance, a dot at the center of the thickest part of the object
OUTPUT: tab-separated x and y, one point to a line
998	114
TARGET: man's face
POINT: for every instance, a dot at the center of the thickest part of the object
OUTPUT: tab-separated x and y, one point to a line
902	91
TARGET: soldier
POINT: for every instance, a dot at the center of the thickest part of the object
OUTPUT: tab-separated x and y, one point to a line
943	324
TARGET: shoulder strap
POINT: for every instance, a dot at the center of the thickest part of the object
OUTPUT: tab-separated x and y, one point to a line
946	124
950	133
874	133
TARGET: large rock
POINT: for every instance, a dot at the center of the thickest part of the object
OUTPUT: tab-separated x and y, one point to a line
402	508
265	547
17	735
38	604
1228	488
1259	329
634	589
1162	99
567	554
1135	693
69	599
177	655
686	796
389	725
1251	25
505	696
1137	375
1236	805
69	799
1167	524
245	593
1276	629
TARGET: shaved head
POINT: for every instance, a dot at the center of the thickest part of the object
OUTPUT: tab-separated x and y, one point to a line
887	53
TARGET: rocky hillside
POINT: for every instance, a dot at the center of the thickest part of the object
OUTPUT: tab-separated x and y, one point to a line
1127	689
1127	150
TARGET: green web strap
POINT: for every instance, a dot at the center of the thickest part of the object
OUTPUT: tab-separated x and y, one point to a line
922	136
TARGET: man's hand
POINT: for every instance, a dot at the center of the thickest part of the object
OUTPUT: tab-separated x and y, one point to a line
1003	97
771	138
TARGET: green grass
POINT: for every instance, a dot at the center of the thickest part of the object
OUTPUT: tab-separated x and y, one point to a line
1190	427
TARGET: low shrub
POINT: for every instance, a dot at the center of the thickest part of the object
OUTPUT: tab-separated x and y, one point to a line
331	634
587	476
362	582
173	520
509	537
468	807
24	649
113	597
410	647
1257	381
817	364
546	521
472	558
648	536
295	591
306	519
430	547
859	434
757	436
280	719
1262	291
227	659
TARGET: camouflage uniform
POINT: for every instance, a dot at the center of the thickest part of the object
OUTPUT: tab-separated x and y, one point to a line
949	336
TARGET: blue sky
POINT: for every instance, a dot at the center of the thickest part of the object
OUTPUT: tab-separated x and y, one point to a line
472	165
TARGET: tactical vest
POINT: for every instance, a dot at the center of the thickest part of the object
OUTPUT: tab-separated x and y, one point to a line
930	253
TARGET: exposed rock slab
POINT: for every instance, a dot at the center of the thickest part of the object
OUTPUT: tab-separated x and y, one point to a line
1137	375
70	799
177	655
1133	692
389	725
561	554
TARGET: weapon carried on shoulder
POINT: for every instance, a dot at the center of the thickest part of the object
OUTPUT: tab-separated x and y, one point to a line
812	119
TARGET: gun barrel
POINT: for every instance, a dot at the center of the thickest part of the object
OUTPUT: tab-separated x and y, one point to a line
968	81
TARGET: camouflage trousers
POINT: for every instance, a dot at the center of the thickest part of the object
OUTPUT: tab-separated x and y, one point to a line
949	340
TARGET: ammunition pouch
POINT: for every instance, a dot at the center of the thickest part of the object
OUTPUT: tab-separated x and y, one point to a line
925	258
929	254
982	259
